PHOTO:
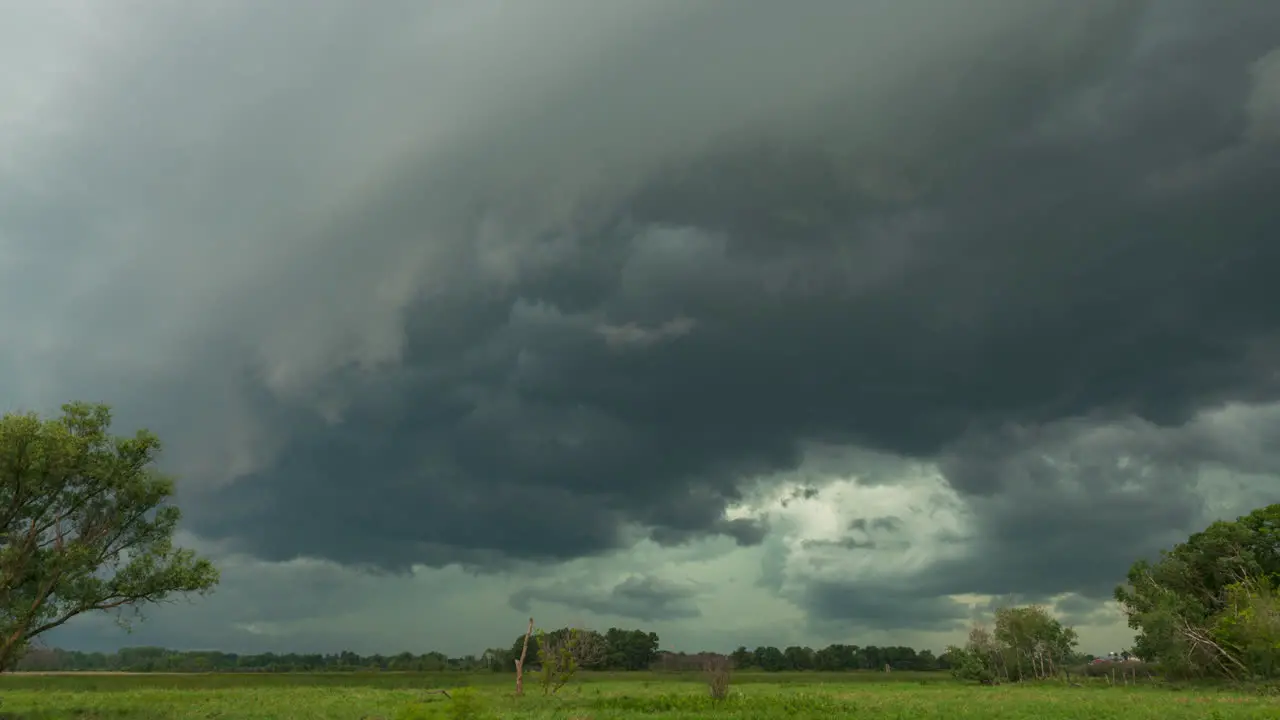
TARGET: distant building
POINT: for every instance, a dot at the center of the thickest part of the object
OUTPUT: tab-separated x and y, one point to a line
1113	657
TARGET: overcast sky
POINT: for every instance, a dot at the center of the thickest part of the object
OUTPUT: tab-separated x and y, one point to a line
743	321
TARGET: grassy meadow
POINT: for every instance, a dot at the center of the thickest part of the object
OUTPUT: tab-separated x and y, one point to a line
600	696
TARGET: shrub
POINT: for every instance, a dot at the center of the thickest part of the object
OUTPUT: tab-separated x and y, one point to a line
716	668
466	705
463	705
416	711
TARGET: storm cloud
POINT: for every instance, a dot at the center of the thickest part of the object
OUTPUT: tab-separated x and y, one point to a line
511	285
642	598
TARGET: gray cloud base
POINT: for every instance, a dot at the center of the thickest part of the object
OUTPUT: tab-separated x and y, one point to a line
640	598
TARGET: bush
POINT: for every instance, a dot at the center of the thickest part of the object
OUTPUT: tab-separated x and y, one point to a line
463	705
466	705
971	665
416	711
716	668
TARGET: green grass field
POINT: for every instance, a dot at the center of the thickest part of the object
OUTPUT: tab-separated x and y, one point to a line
600	696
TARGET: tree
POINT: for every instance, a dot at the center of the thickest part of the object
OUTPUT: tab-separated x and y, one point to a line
1183	604
630	649
520	653
1032	642
742	658
563	652
837	657
1248	628
1026	643
798	658
978	660
770	659
496	659
85	525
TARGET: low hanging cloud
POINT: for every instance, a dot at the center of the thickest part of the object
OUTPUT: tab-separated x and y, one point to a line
490	284
640	597
632	335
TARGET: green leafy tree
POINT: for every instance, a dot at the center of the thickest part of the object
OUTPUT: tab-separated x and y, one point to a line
630	649
1248	629
518	646
497	659
562	653
837	657
85	525
1026	643
979	659
1032	643
770	659
742	658
1182	604
798	658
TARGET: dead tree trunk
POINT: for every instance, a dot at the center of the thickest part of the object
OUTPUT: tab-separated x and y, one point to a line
520	660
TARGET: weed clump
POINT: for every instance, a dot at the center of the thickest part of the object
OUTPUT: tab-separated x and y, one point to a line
463	704
466	705
717	668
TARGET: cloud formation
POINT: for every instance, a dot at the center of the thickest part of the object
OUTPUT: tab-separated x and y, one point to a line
506	285
639	597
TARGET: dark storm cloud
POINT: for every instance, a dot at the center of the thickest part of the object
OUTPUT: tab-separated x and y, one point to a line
1095	497
744	531
592	393
1076	610
887	523
643	598
496	294
882	606
1015	267
847	543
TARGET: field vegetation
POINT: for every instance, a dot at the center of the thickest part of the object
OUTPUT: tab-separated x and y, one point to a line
604	696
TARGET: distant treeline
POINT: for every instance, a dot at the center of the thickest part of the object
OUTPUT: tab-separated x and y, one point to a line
622	650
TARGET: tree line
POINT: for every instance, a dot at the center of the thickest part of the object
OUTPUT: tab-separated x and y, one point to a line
622	650
837	657
158	659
